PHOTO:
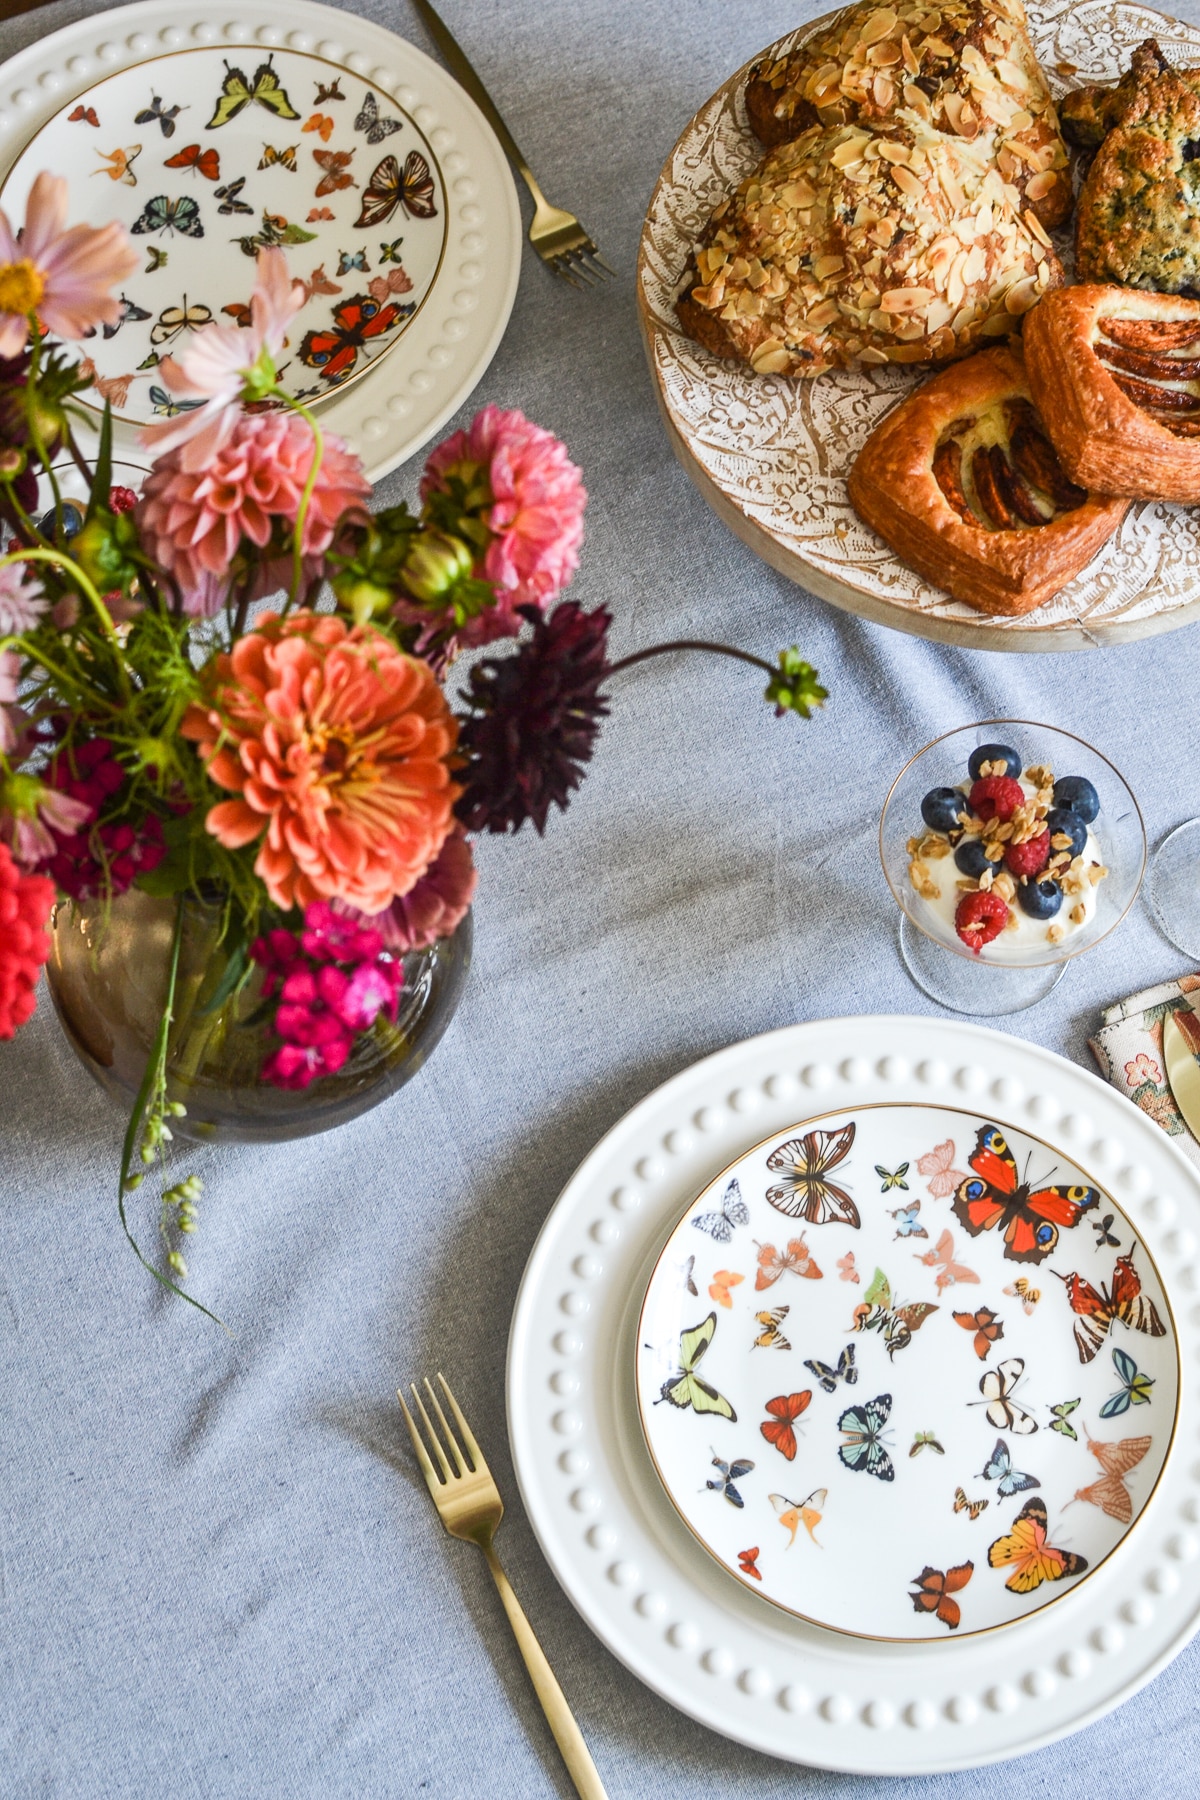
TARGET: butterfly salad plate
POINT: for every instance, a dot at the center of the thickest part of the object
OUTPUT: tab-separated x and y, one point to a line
851	1393
300	127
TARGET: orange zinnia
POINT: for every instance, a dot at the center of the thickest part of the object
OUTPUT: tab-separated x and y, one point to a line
336	744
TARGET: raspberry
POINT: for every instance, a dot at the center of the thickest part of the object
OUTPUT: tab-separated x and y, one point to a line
996	797
1029	858
980	917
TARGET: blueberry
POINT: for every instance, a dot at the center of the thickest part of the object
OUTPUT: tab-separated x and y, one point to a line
72	521
971	859
1078	793
1061	819
989	753
940	808
1040	899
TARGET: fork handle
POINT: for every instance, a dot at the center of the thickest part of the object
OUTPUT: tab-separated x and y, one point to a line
464	74
559	1716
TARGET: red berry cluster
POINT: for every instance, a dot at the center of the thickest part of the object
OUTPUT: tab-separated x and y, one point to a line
105	858
980	917
25	903
996	797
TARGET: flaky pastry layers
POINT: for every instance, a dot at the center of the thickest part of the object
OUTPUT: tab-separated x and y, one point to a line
963	484
907	220
1115	373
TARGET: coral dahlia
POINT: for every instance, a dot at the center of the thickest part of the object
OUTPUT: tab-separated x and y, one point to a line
193	521
25	904
337	746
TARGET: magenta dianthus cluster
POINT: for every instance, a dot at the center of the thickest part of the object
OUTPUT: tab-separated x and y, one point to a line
102	859
333	979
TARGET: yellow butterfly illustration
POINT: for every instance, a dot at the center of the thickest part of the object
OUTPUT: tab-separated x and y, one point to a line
237	92
974	1507
286	157
174	319
771	1337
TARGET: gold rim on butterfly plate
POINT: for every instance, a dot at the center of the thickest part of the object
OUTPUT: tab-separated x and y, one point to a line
937	1645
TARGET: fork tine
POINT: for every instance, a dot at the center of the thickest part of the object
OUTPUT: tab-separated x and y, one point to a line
427	1468
473	1450
449	1435
589	249
559	265
433	1436
579	267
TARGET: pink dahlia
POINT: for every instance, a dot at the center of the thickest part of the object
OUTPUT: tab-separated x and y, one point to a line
195	521
519	481
64	277
25	906
432	909
225	364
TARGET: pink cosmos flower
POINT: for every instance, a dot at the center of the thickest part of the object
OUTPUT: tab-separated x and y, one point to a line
22	601
31	814
221	362
535	512
62	276
193	521
12	719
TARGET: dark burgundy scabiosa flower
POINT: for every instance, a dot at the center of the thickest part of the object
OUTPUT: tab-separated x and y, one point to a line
532	720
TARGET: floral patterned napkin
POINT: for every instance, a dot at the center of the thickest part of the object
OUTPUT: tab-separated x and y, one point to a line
1129	1050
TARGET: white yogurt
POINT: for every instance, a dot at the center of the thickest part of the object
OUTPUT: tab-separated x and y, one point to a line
1019	942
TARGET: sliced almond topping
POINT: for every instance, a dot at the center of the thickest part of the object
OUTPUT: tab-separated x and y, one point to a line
825	266
884	92
1041	185
878	25
907	300
1036	228
907	182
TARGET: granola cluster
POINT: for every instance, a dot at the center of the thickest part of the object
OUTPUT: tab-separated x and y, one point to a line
1021	843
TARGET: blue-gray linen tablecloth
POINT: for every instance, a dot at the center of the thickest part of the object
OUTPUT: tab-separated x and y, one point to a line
220	1574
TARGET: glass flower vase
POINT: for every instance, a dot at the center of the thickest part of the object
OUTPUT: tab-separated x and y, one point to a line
108	976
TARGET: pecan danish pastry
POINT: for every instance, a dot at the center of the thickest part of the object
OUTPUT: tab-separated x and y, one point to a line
901	214
1116	374
962	481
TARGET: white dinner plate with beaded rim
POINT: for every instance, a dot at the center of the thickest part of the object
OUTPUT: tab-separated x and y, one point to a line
771	456
686	1627
401	401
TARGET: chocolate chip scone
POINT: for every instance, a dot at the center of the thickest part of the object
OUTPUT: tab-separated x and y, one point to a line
1138	221
887	232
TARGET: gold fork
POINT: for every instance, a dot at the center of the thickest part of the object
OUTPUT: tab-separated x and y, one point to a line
557	236
469	1505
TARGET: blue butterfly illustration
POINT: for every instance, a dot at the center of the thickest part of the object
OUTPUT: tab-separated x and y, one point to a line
734	1211
999	1468
729	1473
128	311
863	1429
390	252
828	1377
356	259
1135	1387
165	403
161	214
908	1221
154	112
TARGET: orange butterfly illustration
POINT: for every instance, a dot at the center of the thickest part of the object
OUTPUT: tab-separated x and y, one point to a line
974	1507
1124	1301
1029	1553
934	1588
320	122
238	311
1028	1215
208	162
785	1409
794	1260
119	164
318	212
986	1326
334	163
722	1282
950	1271
110	387
936	1167
748	1563
381	287
1110	1493
846	1268
795	1513
85	115
319	283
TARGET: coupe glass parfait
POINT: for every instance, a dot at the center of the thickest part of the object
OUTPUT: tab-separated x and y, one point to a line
998	892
